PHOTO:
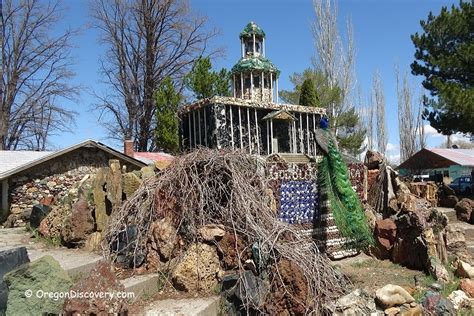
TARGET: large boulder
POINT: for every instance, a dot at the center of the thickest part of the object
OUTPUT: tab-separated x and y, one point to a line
99	196
37	288
435	304
163	238
198	270
410	250
460	300
130	183
467	285
231	248
464	269
79	224
114	184
386	232
10	260
464	210
52	224
100	280
448	201
392	295
38	213
373	160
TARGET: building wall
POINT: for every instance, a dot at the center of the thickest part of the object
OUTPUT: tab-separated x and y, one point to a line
456	171
52	180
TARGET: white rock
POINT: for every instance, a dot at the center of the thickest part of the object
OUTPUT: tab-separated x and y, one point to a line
464	270
459	299
393	295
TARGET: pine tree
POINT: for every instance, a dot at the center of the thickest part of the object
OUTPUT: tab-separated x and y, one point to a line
167	101
444	56
308	95
205	83
350	134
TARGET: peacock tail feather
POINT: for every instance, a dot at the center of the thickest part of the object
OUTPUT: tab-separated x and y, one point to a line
349	215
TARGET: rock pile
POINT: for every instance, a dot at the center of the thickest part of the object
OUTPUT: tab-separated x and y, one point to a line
27	192
465	210
80	216
408	230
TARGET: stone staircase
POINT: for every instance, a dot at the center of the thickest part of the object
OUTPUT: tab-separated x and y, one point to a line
468	228
77	262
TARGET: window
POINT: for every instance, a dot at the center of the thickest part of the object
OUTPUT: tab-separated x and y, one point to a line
256	81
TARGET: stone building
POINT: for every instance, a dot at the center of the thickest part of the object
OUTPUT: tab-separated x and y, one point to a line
287	136
28	178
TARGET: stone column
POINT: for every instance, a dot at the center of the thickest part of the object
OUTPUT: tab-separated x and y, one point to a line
271	87
242	89
251	85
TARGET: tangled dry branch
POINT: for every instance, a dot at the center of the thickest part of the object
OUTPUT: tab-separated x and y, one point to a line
227	188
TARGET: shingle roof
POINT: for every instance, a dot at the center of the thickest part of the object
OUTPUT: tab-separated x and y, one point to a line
13	159
462	157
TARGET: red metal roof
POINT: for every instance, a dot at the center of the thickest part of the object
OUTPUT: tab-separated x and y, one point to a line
151	157
429	158
462	157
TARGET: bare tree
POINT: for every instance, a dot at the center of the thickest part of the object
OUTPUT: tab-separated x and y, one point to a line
379	99
369	120
409	121
35	72
334	58
147	41
421	135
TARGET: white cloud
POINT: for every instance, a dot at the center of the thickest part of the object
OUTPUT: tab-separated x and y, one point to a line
393	147
430	131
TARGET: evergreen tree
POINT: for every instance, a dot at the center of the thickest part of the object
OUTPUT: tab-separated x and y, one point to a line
444	55
205	83
308	95
350	135
167	101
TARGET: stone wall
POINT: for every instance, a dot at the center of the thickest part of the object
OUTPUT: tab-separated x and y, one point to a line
51	181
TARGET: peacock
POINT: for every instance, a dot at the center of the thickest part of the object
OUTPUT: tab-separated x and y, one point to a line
333	178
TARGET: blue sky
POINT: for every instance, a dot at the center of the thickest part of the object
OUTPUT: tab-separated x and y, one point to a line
382	32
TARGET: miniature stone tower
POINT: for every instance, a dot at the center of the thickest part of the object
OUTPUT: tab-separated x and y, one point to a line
254	76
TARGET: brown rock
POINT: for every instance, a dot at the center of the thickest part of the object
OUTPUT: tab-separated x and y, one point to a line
52	224
464	269
47	200
467	285
131	183
79	224
448	200
198	270
99	198
93	242
386	232
464	210
231	247
163	238
455	239
100	280
392	311
373	159
372	176
114	184
211	232
289	292
415	310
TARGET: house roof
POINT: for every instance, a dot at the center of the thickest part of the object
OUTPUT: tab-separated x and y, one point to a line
292	108
439	158
29	159
149	158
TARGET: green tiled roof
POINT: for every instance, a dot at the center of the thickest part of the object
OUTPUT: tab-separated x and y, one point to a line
253	63
251	29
